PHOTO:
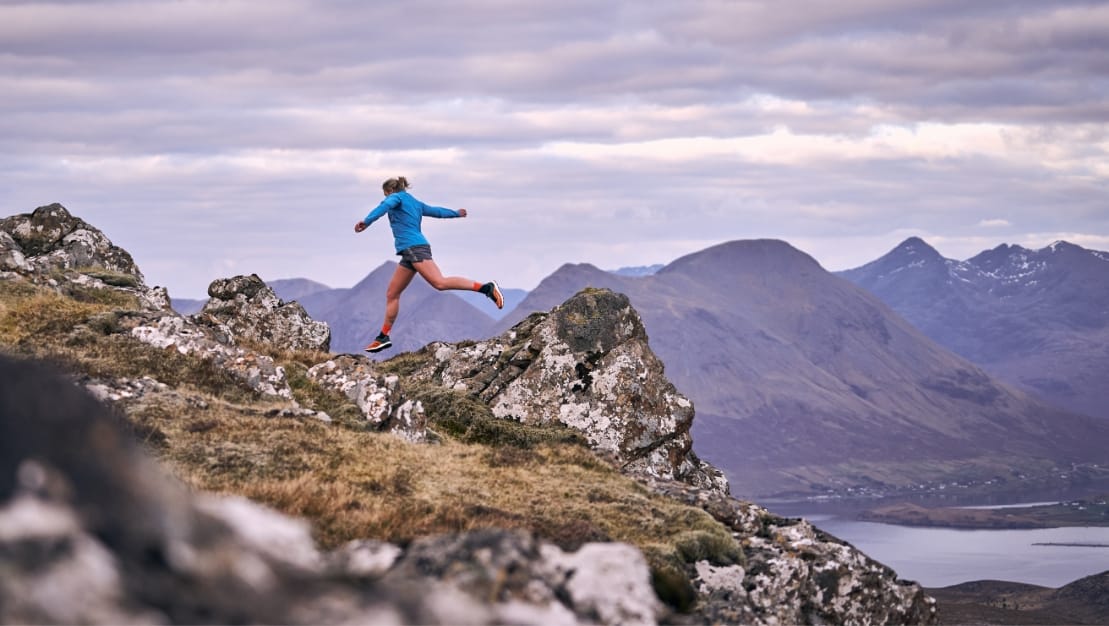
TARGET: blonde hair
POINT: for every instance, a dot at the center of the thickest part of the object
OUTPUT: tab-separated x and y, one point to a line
393	185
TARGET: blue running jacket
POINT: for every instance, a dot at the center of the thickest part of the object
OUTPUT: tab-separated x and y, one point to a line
405	213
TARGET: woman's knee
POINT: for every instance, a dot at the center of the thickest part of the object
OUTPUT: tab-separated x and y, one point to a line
435	280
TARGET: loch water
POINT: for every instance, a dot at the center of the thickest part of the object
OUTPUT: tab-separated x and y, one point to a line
939	557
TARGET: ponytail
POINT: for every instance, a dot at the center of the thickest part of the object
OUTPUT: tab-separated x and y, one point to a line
393	185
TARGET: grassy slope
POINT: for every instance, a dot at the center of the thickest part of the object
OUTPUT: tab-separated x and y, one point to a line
351	483
1000	602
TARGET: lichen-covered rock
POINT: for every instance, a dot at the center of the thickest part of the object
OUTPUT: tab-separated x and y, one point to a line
84	586
258	371
793	573
368	558
51	238
91	531
378	396
155	299
12	258
252	310
587	365
50	247
531	582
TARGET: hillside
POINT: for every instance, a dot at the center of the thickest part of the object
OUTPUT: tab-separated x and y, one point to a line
288	289
806	383
1084	601
355	315
1093	511
1038	319
423	491
321	301
295	288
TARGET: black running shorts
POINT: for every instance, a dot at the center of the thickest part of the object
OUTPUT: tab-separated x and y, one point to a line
415	254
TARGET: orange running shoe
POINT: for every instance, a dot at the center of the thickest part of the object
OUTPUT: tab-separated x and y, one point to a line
493	291
380	343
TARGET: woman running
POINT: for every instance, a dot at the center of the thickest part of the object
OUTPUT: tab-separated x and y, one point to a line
405	213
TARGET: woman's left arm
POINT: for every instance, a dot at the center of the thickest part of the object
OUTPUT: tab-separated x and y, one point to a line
438	211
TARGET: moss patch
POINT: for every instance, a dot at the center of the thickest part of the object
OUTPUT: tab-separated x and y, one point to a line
464	417
109	277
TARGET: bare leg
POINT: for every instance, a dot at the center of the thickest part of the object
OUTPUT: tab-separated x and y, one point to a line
402	277
430	271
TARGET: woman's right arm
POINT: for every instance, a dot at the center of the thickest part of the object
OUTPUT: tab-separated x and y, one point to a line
376	214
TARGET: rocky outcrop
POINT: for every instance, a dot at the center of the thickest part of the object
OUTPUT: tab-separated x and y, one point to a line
52	248
586	365
533	582
793	572
378	396
257	371
51	238
251	310
12	258
242	308
92	532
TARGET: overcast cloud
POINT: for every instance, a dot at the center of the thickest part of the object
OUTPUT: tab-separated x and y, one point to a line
220	137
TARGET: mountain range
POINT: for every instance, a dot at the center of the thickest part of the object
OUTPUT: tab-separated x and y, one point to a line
804	382
1036	318
355	314
807	383
450	485
426	315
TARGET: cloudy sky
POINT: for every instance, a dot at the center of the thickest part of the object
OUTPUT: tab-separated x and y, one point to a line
219	137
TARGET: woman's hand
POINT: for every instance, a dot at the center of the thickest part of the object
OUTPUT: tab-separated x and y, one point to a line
359	227
461	212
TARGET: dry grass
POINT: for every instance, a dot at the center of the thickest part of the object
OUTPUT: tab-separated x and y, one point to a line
86	337
306	358
351	483
42	317
356	484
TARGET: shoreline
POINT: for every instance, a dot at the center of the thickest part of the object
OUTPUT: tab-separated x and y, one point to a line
1093	512
1070	544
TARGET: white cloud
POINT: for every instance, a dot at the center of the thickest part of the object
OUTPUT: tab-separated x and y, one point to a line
619	134
993	223
887	141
